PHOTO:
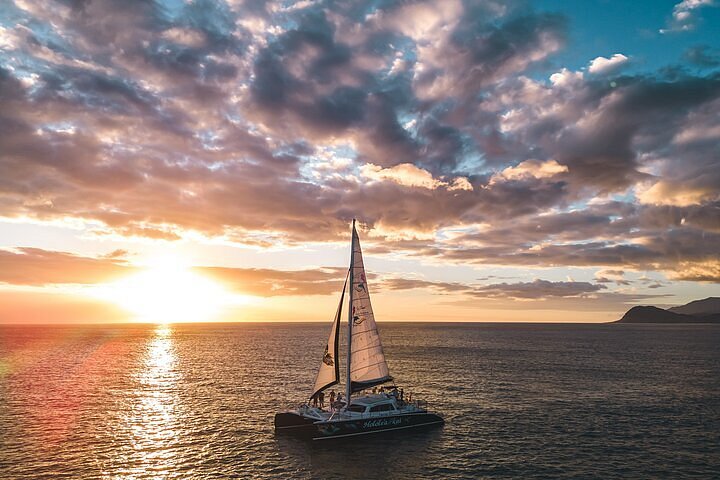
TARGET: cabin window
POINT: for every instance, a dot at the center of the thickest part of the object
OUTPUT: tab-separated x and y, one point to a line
382	408
357	408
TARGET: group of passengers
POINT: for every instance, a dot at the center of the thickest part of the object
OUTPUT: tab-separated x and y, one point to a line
318	400
399	394
336	402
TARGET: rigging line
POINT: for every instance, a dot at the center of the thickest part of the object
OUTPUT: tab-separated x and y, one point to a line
365	331
367	348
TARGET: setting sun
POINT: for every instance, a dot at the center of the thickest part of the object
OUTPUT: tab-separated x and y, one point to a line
169	291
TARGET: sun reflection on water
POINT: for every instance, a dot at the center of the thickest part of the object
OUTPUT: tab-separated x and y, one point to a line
153	421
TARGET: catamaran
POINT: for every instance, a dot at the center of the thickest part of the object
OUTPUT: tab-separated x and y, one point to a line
366	368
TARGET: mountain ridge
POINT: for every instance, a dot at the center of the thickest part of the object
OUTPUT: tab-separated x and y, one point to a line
705	306
706	310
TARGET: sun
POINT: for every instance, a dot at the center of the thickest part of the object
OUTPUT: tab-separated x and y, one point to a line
167	291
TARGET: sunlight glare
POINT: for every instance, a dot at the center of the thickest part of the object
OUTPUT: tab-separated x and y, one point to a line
168	291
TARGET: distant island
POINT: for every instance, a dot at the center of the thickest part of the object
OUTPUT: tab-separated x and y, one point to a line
698	311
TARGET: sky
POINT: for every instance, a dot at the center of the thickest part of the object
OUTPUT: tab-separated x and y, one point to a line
505	160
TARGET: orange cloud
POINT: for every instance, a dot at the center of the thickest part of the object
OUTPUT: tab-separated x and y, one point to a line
34	266
268	282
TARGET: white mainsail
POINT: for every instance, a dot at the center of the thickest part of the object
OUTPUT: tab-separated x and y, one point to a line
367	360
329	372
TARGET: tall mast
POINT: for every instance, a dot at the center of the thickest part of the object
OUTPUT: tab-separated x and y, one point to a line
348	388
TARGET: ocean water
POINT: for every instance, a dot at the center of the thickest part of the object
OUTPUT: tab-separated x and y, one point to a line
520	401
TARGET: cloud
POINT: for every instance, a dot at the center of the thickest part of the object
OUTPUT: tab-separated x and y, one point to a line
702	56
269	282
566	78
38	267
537	289
602	65
684	15
611	276
676	193
530	169
405	174
708	271
477	54
185	36
34	266
411	284
409	175
215	120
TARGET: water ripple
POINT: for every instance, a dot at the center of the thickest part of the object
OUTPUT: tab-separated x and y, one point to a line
197	401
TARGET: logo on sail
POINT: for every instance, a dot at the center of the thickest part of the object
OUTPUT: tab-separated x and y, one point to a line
357	320
327	358
360	287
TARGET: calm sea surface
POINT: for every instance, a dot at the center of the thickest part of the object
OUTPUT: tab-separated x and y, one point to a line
521	401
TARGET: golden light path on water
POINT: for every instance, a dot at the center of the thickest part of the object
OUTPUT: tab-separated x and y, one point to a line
151	423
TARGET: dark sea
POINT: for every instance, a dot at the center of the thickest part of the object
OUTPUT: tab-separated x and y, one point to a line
520	401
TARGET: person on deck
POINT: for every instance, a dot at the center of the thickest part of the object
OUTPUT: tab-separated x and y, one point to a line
315	400
332	397
321	398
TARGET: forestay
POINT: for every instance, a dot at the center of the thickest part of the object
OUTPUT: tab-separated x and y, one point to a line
367	360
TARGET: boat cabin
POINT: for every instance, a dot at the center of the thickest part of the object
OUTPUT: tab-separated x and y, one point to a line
373	404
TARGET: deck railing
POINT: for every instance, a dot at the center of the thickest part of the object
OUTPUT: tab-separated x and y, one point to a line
337	411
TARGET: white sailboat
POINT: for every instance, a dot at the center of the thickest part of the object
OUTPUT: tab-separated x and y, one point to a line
365	368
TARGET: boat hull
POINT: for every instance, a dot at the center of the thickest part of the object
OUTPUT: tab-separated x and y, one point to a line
293	423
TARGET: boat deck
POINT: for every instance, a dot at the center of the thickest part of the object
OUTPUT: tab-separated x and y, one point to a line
368	401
